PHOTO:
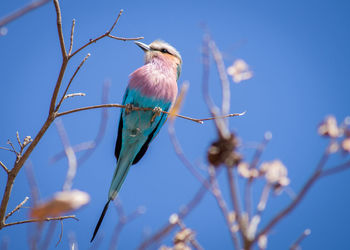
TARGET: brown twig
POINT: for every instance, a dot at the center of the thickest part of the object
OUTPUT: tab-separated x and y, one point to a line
72	159
71	38
22	11
225	83
61	234
41	220
107	34
20	160
50	232
295	245
223	207
70	81
4	167
255	160
123	220
168	227
282	214
17	208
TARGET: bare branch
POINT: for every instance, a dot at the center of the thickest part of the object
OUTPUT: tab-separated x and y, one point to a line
72	159
41	220
59	29
123	220
19	140
168	227
70	81
126	38
336	169
104	35
4	167
73	95
225	84
140	109
71	37
317	173
22	11
295	245
61	234
255	160
17	208
223	207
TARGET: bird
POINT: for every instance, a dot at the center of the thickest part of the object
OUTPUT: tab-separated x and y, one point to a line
154	86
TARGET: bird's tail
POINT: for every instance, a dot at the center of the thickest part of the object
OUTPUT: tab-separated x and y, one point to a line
100	220
120	173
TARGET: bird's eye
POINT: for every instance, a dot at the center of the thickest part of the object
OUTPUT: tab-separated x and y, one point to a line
164	51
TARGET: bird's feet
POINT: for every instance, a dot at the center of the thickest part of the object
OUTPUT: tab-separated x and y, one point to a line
156	112
128	108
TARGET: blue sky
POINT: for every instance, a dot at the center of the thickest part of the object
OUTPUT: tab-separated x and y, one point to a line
299	53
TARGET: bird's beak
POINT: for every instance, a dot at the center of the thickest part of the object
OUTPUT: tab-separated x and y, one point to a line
143	46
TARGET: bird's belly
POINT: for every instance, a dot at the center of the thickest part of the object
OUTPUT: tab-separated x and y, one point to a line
139	124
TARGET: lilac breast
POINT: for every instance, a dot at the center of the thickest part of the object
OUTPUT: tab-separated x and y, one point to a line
156	79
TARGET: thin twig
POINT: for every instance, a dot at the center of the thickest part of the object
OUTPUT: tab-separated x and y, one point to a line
19	140
316	174
255	160
223	207
22	11
8	149
225	84
41	220
123	220
70	81
33	186
59	28
168	227
61	234
72	159
73	95
104	35
71	37
133	108
4	167
90	146
220	123
49	235
17	208
296	244
336	169
126	38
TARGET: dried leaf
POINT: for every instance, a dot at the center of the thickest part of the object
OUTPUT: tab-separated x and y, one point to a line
61	203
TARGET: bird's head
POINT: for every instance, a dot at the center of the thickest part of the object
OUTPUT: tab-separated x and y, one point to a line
162	51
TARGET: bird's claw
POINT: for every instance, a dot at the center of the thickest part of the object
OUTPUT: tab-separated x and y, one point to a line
128	108
156	112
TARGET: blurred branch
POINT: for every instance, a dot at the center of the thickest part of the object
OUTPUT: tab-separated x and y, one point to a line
255	160
72	159
314	177
223	207
90	146
168	227
22	11
295	245
123	220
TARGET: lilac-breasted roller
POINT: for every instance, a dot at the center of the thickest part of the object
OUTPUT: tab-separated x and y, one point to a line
154	85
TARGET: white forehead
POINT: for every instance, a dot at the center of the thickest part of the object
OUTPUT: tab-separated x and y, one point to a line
159	44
